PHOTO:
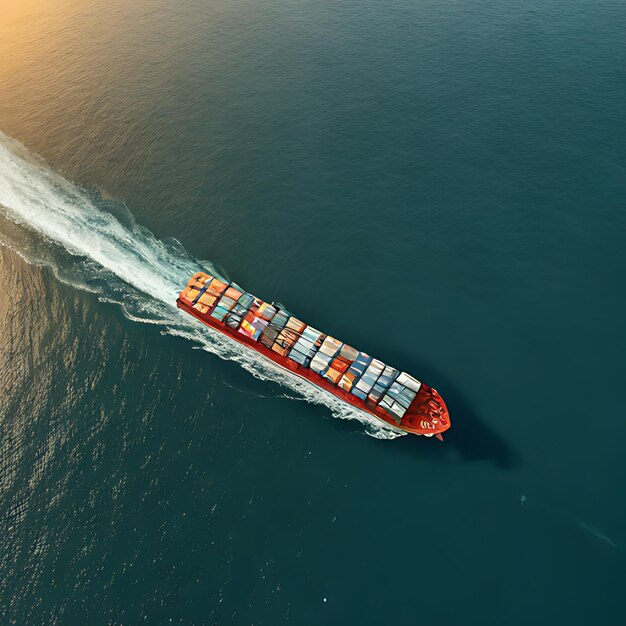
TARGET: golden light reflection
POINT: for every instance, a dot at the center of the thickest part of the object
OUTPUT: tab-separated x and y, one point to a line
29	30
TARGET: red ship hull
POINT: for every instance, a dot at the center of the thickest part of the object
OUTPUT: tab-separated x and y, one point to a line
427	414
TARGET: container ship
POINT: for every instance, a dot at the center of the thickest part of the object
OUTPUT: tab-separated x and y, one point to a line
392	396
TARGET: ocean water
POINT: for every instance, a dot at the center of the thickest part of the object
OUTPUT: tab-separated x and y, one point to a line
438	183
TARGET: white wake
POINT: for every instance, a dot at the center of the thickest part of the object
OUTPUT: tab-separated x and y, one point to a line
89	247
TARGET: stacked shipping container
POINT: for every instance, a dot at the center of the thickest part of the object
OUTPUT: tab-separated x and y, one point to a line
369	379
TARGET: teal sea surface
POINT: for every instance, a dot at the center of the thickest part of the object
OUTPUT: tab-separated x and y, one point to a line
440	184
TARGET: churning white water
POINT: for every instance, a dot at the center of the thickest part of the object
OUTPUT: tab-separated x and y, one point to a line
126	264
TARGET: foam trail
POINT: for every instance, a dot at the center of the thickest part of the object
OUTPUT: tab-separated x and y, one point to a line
125	264
594	532
569	518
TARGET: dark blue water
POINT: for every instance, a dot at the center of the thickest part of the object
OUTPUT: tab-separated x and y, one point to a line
438	183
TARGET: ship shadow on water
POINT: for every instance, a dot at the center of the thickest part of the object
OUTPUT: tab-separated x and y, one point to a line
470	436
